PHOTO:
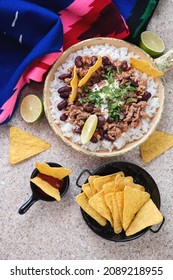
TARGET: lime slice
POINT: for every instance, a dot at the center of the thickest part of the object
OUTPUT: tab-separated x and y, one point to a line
31	108
152	43
89	128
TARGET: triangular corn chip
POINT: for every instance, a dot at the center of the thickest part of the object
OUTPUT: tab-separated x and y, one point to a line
108	199
134	199
90	181
116	217
56	172
82	200
24	145
87	190
100	181
145	67
46	187
155	145
120	204
99	204
148	215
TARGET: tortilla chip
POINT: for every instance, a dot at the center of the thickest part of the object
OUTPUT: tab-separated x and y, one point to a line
148	215
56	172
99	182
87	190
24	145
134	199
46	187
108	199
99	204
121	182
109	187
120	204
116	217
82	200
145	67
155	145
90	181
136	186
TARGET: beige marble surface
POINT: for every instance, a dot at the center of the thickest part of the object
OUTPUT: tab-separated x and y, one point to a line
57	230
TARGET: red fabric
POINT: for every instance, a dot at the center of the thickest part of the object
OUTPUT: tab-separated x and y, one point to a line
92	18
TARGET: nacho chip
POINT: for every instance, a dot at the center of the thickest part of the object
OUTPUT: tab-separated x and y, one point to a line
108	199
134	199
82	200
120	204
136	186
99	182
155	145
116	217
108	187
56	172
46	187
90	181
87	190
24	145
148	215
99	204
145	67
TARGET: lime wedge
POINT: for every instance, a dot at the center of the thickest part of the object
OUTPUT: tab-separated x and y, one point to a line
152	43
89	128
31	108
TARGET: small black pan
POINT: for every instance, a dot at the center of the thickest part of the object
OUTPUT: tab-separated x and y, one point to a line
38	194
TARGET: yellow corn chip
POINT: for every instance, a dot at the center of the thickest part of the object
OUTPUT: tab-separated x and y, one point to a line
137	186
74	85
82	200
120	204
90	180
99	204
91	70
134	199
87	190
24	145
118	183
116	217
148	215
145	67
56	172
155	145
108	199
108	187
99	182
46	187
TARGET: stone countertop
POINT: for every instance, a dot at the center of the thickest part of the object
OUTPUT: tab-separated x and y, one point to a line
52	230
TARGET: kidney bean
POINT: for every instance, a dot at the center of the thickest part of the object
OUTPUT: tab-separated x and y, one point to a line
96	80
101	121
64	89
124	65
93	59
88	108
64	76
78	130
64	95
109	120
106	136
94	139
146	96
62	105
106	60
78	61
63	117
101	133
134	83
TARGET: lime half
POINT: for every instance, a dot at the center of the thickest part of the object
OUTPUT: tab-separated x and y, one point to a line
152	43
89	128
31	108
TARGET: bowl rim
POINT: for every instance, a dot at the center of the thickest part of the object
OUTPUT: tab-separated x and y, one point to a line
46	96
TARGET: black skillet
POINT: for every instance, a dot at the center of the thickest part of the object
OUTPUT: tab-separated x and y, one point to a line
141	177
38	194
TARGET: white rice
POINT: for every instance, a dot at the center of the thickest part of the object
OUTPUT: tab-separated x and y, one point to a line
133	133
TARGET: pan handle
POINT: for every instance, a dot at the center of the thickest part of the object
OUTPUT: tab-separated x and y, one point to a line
155	231
27	205
165	62
80	175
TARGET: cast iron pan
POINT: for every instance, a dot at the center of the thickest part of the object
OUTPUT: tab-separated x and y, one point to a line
38	194
140	176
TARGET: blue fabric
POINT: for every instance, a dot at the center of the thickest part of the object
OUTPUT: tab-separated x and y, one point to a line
125	7
39	29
